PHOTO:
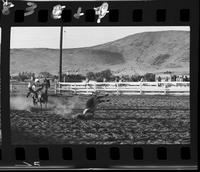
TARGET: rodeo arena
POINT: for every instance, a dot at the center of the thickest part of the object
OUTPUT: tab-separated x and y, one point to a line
55	111
46	111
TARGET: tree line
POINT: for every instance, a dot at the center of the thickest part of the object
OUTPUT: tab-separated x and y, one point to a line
103	76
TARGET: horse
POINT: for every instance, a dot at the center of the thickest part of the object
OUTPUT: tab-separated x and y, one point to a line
41	96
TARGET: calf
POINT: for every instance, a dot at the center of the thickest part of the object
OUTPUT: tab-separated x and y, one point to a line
92	103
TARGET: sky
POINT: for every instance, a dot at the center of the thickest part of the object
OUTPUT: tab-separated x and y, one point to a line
76	37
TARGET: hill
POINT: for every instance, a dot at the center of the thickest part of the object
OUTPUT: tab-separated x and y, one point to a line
139	53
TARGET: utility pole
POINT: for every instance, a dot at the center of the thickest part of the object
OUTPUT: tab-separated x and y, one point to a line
60	64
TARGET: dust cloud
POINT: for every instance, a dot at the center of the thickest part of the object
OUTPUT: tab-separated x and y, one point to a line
56	105
63	107
20	103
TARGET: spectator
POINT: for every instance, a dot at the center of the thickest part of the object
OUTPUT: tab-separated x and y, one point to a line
159	79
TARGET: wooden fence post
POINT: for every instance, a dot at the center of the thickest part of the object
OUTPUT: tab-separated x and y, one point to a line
59	85
75	88
87	88
165	89
55	88
117	88
95	86
140	87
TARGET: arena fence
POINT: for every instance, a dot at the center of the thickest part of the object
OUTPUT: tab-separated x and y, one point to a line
178	88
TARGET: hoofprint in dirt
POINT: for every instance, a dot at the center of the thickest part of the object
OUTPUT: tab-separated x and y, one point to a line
141	119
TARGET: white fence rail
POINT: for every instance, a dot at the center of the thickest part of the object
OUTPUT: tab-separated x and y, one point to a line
182	88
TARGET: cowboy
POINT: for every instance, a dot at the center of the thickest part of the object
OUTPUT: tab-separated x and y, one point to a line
38	86
31	86
92	103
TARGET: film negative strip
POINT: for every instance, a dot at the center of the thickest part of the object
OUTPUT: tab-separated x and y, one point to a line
99	84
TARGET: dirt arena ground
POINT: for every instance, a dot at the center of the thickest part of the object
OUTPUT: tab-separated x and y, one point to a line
136	119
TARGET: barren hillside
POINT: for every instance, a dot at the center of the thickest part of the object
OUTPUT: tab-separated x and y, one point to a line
139	53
